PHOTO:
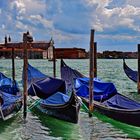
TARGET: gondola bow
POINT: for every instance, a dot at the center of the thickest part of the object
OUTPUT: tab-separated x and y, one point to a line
129	72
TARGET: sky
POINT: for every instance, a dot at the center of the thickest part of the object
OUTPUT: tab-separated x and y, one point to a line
69	22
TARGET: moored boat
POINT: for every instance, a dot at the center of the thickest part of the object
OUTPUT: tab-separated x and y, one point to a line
76	80
10	98
117	106
50	96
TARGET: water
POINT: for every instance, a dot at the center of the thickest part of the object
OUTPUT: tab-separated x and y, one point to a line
40	127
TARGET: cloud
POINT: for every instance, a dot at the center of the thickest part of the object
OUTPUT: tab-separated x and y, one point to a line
100	3
69	22
21	26
16	15
135	3
119	37
69	16
130	10
36	7
38	19
18	6
109	17
2	26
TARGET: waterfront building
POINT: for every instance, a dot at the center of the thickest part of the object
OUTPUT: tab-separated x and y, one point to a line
39	50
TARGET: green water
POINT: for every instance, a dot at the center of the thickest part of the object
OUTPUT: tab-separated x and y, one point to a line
40	127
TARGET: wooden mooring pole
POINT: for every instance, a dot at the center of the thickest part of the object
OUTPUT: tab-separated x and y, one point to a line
95	59
25	66
26	39
138	84
13	64
54	63
91	73
13	70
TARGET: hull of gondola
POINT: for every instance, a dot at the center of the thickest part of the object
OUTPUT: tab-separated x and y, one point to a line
67	112
130	117
131	74
11	110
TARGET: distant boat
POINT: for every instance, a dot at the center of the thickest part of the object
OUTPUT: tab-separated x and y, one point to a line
129	72
113	105
2	57
51	98
51	60
17	57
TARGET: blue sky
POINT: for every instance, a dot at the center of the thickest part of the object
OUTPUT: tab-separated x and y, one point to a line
116	22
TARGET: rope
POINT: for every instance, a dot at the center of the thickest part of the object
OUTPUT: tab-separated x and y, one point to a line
1	112
34	104
86	109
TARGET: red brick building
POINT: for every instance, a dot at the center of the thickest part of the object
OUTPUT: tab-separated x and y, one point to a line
70	53
40	49
35	49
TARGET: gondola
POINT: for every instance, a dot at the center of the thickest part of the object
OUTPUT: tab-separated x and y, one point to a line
116	106
10	98
76	80
50	96
129	72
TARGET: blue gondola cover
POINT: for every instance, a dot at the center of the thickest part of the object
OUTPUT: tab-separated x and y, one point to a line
121	102
42	85
8	99
57	99
34	74
102	90
46	87
7	85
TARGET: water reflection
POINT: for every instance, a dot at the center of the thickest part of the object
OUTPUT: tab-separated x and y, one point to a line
58	128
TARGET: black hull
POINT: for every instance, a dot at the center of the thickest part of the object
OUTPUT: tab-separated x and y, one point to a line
130	117
11	110
131	74
67	112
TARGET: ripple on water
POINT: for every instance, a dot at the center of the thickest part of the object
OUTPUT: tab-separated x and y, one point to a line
40	127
